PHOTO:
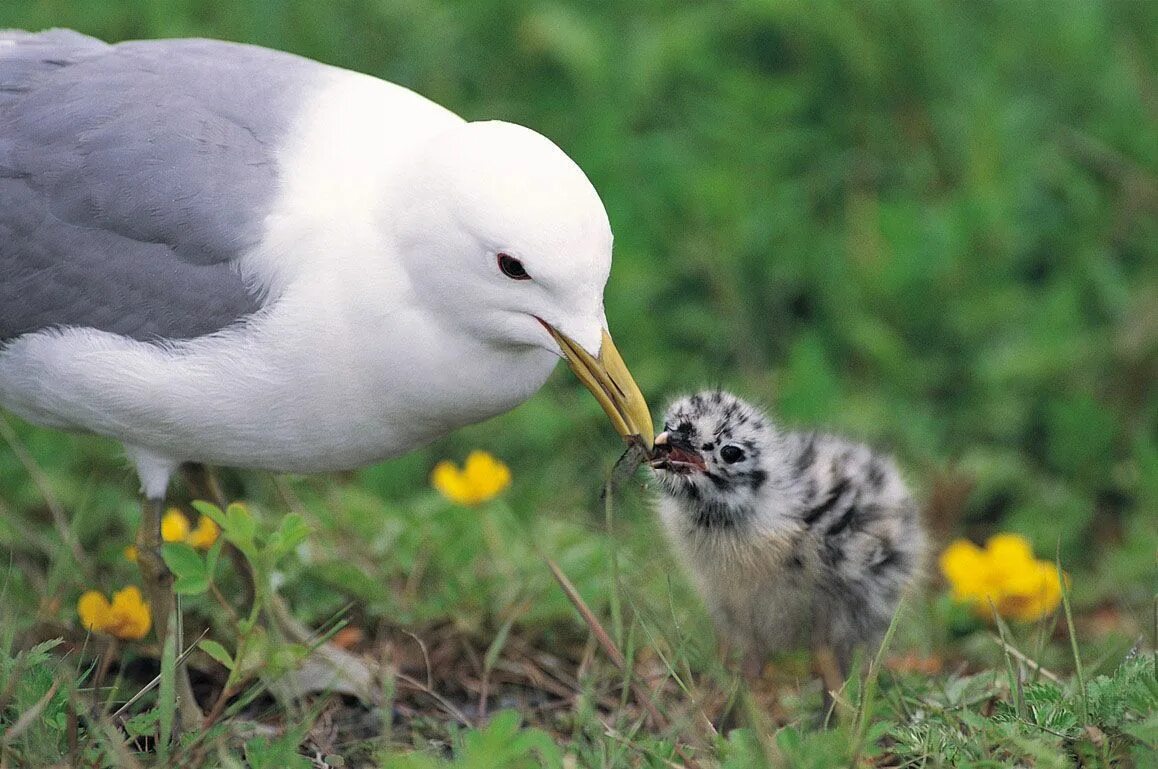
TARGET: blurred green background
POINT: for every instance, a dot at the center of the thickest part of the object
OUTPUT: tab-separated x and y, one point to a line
931	225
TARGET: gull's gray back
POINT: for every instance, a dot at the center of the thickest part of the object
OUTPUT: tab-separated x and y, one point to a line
132	176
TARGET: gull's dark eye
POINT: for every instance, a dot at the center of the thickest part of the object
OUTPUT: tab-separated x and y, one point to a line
512	267
731	454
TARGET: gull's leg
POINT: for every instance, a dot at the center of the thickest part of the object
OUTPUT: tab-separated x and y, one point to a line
157	581
203	484
156	577
158	588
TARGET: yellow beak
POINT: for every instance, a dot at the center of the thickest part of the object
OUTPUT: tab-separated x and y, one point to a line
610	382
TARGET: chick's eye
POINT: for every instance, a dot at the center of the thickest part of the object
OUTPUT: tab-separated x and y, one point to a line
731	454
512	267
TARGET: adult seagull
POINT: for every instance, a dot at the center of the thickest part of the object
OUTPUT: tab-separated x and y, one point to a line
223	254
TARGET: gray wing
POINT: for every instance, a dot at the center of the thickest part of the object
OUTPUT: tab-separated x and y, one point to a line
132	176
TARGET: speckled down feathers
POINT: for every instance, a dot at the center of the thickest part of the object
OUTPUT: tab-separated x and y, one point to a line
809	540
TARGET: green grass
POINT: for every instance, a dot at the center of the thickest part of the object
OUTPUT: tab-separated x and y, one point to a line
932	226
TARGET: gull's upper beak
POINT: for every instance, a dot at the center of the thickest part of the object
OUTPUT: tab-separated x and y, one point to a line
610	382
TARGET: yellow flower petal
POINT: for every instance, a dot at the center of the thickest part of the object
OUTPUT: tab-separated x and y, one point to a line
1035	593
961	559
129	615
94	610
130	552
966	569
205	534
487	475
1012	549
450	482
482	478
1025	579
174	526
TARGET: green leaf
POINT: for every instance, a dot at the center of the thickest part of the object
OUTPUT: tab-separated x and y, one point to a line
183	560
253	652
292	531
190	585
502	743
211	557
142	724
239	526
286	657
276	753
187	566
741	750
217	652
212	511
412	761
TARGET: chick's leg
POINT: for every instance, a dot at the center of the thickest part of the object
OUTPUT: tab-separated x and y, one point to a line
827	661
826	665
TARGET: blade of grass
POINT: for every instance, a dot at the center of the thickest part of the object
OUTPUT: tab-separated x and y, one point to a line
448	706
157	680
629	677
489	659
613	565
613	653
761	729
1014	678
113	742
868	692
1025	659
29	717
593	624
40	479
167	694
1079	672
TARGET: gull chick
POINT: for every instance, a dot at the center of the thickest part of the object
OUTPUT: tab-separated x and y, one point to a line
794	540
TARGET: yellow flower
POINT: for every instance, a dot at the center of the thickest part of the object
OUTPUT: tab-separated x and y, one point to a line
205	534
1004	574
127	616
174	526
481	479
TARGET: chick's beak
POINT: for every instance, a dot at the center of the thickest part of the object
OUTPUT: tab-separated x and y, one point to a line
673	451
608	379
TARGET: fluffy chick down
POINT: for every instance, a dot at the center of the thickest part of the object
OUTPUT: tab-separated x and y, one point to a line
795	540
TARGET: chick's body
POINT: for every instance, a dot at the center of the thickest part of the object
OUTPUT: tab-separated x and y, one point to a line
794	540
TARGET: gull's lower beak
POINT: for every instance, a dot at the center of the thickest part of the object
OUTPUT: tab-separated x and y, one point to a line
610	382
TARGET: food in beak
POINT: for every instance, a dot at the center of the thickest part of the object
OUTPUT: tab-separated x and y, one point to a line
611	383
673	452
